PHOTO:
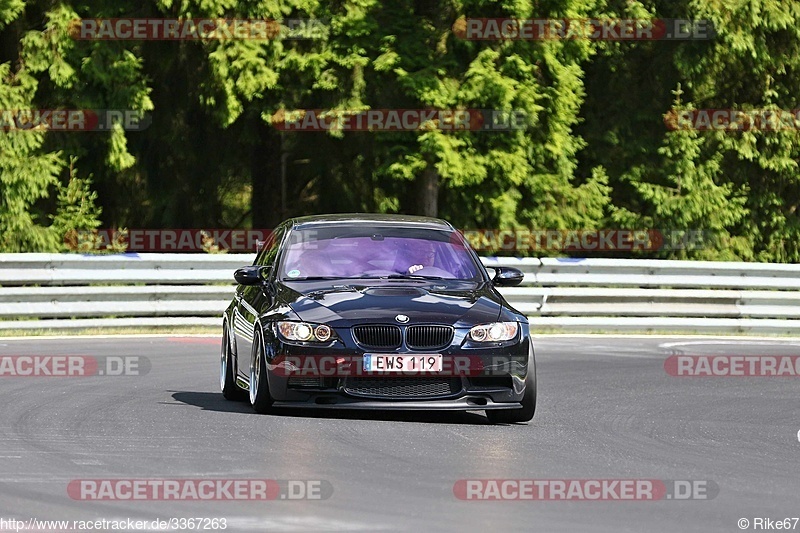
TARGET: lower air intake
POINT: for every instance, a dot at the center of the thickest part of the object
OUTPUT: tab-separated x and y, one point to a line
410	387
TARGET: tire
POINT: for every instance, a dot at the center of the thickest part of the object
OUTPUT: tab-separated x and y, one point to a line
528	409
260	398
227	370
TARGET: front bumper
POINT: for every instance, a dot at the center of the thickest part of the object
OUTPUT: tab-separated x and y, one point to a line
499	383
466	403
496	380
465	393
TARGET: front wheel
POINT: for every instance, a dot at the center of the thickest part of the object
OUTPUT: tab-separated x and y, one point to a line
528	409
260	398
227	370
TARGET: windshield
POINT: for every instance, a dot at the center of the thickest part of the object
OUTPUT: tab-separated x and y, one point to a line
374	252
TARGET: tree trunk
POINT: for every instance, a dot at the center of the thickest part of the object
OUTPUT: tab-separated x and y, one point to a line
428	192
266	178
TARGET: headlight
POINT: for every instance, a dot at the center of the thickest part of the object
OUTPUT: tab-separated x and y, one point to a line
302	331
495	332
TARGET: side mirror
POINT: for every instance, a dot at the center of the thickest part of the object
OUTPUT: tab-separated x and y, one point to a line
507	276
251	275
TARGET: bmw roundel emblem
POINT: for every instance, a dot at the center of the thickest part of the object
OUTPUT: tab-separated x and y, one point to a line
401	318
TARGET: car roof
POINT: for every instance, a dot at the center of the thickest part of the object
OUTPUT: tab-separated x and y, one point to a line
369	219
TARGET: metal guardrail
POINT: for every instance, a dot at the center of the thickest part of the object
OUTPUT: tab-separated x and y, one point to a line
65	291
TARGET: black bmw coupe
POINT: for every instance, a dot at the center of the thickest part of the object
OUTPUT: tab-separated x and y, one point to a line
376	312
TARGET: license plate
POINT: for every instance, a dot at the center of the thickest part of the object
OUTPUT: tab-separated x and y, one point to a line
405	363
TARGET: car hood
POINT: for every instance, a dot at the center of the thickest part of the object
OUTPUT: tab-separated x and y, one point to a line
461	304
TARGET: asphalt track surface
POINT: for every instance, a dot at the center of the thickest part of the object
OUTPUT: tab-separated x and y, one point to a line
607	410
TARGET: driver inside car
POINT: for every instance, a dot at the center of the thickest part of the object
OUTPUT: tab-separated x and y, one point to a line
418	256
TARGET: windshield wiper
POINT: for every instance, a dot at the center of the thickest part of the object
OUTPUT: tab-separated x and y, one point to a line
389	276
409	276
315	278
